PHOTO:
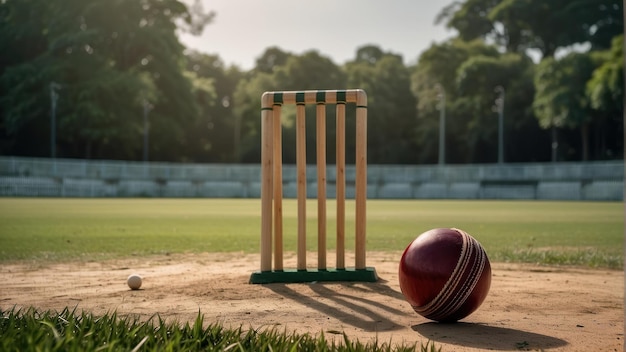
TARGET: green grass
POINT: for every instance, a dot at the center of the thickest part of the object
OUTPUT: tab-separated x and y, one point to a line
555	233
61	229
563	233
31	330
44	230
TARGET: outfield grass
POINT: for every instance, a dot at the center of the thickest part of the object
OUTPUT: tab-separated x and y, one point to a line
567	233
43	230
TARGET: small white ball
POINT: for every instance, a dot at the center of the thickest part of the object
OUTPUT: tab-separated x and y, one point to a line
134	281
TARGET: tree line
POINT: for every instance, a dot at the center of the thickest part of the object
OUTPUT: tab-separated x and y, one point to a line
523	81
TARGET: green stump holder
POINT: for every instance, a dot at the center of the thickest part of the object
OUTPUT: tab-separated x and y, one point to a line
311	275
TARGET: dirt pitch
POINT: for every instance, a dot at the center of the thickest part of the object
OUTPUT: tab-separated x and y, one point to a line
528	307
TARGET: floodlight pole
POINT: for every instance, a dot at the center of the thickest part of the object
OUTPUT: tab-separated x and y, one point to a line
500	107
54	96
555	143
441	96
146	129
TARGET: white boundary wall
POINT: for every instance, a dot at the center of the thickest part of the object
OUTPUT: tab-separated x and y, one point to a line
39	177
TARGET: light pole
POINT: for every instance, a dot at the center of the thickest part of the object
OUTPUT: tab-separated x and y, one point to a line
500	108
146	129
555	144
54	96
441	96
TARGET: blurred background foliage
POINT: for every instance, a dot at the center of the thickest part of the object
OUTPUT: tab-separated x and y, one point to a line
118	70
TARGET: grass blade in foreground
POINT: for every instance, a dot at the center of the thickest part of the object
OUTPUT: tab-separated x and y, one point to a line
72	331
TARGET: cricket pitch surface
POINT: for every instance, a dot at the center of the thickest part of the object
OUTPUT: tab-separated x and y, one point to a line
528	308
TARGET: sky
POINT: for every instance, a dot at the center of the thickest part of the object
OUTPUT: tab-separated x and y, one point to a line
243	29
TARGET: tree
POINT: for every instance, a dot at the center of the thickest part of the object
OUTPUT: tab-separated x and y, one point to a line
531	25
311	70
272	58
469	18
605	91
308	71
560	99
391	104
518	25
110	57
438	67
478	80
24	102
369	54
247	112
213	135
603	19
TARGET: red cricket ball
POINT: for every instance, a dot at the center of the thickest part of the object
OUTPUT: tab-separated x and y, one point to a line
445	274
